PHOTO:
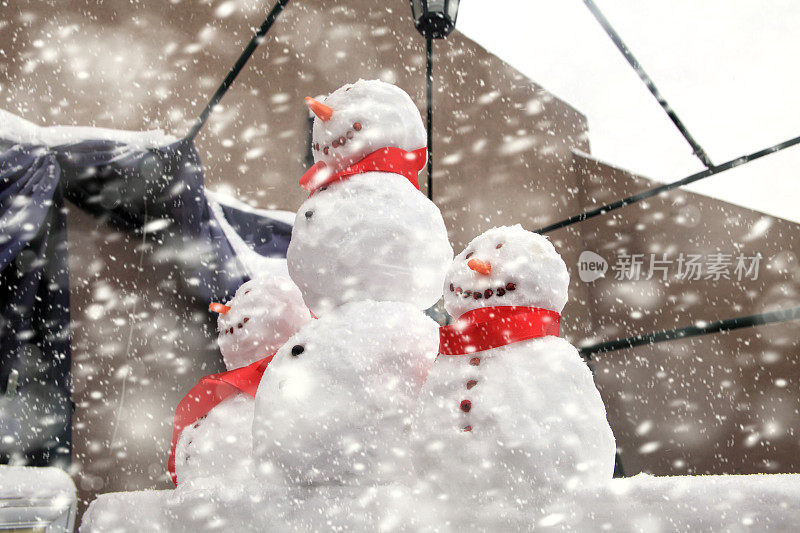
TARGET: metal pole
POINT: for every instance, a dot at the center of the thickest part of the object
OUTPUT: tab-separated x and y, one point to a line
429	79
669	186
759	319
236	69
696	148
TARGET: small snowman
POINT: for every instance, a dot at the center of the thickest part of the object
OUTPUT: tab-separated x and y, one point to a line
369	253
509	412
366	232
261	316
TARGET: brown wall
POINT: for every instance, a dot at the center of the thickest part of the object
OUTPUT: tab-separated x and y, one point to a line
503	154
724	403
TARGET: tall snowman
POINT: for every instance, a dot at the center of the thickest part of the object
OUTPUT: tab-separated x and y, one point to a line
366	232
509	415
369	253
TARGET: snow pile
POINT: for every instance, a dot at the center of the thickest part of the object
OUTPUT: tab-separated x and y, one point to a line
16	129
36	498
21	482
641	503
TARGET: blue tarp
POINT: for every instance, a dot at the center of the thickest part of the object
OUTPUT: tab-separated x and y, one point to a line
128	187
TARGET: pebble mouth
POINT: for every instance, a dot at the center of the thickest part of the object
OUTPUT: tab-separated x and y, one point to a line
341	141
486	294
240	325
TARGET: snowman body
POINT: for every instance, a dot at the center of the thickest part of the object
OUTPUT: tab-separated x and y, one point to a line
534	421
263	313
219	444
521	421
335	407
372	236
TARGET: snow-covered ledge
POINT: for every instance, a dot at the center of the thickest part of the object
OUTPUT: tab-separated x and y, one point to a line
36	499
16	129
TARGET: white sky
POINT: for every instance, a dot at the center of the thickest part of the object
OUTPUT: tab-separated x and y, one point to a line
729	68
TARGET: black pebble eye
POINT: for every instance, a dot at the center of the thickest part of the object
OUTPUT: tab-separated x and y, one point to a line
297	349
499	246
469	255
323	188
309	214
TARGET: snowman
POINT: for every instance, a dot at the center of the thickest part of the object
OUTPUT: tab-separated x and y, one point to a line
366	232
509	414
369	253
263	313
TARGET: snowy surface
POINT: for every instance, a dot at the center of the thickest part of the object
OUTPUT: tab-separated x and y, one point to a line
287	217
264	313
638	504
334	405
248	259
525	259
367	115
721	64
16	129
35	482
371	236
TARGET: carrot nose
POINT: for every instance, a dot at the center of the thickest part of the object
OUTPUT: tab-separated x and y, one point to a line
218	308
481	267
321	110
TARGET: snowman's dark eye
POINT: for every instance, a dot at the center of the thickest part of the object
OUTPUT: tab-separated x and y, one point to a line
499	246
323	188
297	349
309	214
469	255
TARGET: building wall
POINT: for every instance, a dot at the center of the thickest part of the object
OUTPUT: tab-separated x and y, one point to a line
723	403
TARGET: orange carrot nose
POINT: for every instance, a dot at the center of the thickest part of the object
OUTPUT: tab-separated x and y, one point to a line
321	110
218	308
481	267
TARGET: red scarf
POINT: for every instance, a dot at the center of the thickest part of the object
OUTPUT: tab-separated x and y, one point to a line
389	159
489	327
209	392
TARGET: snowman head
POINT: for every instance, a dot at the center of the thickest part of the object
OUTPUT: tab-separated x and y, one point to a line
506	266
360	118
335	402
263	313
